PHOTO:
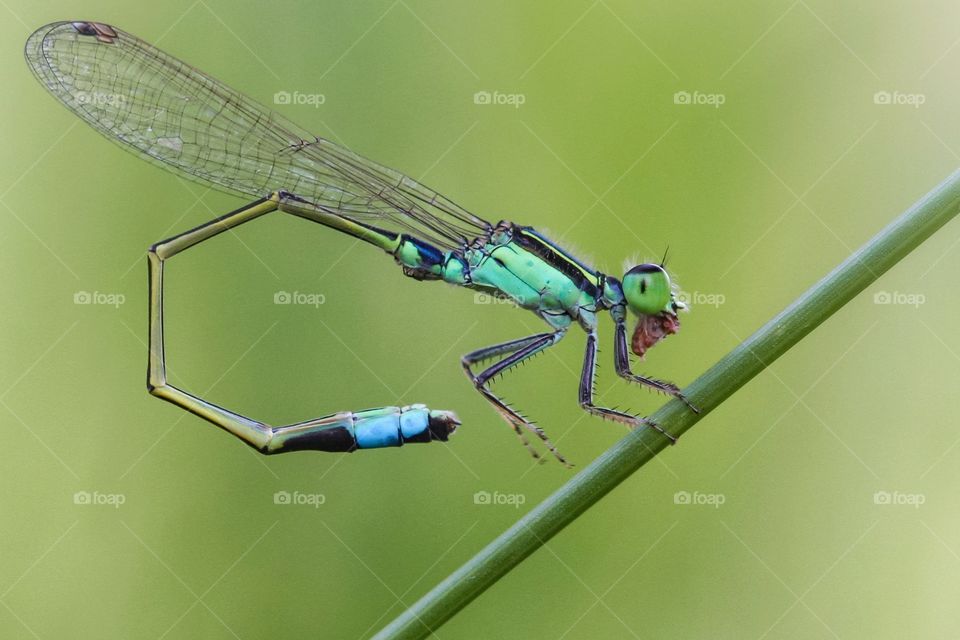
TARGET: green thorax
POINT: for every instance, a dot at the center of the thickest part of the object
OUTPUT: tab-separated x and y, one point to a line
520	264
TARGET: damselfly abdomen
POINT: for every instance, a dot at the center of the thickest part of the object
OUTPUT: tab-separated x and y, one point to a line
179	118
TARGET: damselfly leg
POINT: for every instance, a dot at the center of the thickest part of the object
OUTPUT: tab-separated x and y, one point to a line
622	365
516	351
587	378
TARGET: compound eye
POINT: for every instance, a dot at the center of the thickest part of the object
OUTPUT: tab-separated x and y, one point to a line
647	289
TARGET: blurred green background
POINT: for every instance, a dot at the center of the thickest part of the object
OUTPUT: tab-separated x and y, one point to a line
820	501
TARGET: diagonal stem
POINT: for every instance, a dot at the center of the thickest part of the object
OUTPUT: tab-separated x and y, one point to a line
717	384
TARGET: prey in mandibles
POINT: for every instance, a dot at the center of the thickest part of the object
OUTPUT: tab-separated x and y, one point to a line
187	122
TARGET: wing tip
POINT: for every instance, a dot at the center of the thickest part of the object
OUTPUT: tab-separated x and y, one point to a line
41	49
33	48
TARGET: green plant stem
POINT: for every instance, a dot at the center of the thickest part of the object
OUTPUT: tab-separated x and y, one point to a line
717	384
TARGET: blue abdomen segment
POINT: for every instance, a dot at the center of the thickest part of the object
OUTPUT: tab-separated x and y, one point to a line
393	427
368	429
389	427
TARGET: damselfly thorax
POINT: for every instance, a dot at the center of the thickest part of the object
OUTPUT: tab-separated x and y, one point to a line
518	264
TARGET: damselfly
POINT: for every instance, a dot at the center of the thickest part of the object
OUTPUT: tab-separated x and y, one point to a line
179	118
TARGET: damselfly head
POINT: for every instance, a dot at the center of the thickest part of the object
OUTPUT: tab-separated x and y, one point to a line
649	294
647	289
443	423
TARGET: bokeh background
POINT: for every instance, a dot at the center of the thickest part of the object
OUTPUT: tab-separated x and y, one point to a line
763	141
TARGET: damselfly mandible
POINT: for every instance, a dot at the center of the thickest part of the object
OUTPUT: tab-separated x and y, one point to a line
181	119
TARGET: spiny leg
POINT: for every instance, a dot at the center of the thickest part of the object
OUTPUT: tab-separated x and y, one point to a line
622	365
509	413
487	353
521	350
514	419
586	392
344	431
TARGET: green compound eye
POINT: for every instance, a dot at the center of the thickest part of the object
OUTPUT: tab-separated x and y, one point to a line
647	289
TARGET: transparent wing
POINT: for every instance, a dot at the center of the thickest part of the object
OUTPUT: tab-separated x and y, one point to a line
179	118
